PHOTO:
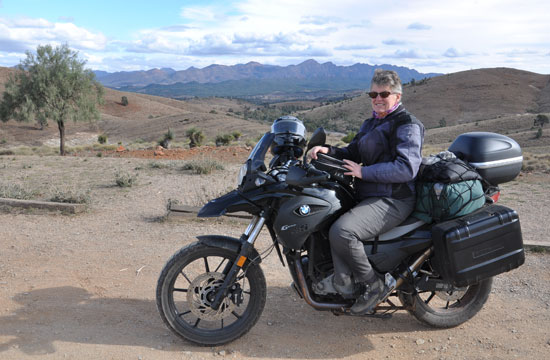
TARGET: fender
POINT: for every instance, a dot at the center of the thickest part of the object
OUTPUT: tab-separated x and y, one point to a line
229	243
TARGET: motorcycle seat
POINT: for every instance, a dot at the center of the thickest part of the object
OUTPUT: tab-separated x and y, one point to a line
409	224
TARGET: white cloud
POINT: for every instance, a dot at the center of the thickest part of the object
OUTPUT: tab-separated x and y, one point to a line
418	26
198	14
27	34
404	54
454	53
422	34
394	42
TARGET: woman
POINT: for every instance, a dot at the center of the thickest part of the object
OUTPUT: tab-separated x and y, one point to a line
384	157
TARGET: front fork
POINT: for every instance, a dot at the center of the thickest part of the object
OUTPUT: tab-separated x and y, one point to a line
247	240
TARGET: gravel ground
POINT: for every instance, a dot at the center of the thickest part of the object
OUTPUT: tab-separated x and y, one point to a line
83	286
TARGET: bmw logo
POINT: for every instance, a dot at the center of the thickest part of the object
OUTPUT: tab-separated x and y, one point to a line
305	210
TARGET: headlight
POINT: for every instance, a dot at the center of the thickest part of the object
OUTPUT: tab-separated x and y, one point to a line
242	173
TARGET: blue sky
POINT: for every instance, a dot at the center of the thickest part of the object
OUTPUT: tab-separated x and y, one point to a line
429	36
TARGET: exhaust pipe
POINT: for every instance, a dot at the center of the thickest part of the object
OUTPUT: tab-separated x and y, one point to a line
307	296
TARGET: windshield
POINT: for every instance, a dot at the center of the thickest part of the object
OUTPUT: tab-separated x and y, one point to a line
257	155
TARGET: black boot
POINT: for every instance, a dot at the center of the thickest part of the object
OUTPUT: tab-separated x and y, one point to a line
372	293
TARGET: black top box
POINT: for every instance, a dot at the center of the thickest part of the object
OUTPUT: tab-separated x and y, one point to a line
496	157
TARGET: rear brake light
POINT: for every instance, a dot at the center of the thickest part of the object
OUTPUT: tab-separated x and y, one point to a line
495	196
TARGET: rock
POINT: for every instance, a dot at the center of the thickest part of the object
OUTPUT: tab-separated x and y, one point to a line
159	151
420	341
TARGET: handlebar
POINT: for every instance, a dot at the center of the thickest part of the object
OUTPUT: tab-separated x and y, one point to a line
302	177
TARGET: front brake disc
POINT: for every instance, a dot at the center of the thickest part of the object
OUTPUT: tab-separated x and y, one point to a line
201	294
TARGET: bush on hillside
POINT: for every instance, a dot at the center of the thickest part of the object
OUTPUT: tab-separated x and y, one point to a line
349	137
196	137
224	139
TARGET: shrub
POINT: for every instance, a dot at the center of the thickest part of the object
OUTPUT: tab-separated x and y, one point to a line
538	134
540	120
102	139
123	179
236	134
14	191
224	139
203	167
196	137
157	165
349	137
124	101
166	138
73	196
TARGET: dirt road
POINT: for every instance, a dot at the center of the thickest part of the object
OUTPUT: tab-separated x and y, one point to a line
83	286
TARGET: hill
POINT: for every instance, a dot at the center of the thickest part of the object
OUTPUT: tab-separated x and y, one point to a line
462	100
145	119
499	99
254	81
219	73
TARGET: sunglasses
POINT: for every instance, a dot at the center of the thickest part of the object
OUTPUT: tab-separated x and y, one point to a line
383	94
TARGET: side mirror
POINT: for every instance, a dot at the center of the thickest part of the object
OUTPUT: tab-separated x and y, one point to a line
319	137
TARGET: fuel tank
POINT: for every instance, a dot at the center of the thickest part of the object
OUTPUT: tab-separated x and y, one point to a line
307	212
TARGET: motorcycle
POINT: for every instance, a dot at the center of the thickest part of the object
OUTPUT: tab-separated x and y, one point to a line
213	291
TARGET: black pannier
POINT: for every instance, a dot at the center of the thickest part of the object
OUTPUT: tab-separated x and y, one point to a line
477	246
496	157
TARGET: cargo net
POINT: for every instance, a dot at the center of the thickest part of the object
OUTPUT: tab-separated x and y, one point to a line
446	188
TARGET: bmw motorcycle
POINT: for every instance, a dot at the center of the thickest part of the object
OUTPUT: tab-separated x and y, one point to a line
213	291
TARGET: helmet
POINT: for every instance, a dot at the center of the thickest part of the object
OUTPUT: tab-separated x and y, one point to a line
290	134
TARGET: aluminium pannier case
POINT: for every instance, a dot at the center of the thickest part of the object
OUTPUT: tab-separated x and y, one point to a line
479	245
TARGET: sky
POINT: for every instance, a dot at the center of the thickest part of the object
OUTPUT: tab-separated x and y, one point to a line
429	36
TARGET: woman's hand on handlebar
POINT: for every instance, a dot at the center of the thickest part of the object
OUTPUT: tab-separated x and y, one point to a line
354	169
317	149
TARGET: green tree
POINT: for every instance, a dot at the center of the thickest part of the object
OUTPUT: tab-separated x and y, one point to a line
52	85
540	120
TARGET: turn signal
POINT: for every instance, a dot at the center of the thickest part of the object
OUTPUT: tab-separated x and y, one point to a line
495	196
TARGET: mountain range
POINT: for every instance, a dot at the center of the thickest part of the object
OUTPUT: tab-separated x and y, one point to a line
306	80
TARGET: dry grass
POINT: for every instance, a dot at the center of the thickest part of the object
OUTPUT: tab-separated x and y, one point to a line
536	162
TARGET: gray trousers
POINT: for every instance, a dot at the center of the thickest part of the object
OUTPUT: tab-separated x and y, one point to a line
371	217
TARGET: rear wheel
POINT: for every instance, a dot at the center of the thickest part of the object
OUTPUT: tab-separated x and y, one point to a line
445	309
187	285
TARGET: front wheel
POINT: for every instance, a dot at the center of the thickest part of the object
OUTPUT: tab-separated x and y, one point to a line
188	284
445	309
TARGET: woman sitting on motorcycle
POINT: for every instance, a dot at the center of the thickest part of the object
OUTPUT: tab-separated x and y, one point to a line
384	157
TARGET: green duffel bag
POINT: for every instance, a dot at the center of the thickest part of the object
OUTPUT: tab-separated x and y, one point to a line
437	201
